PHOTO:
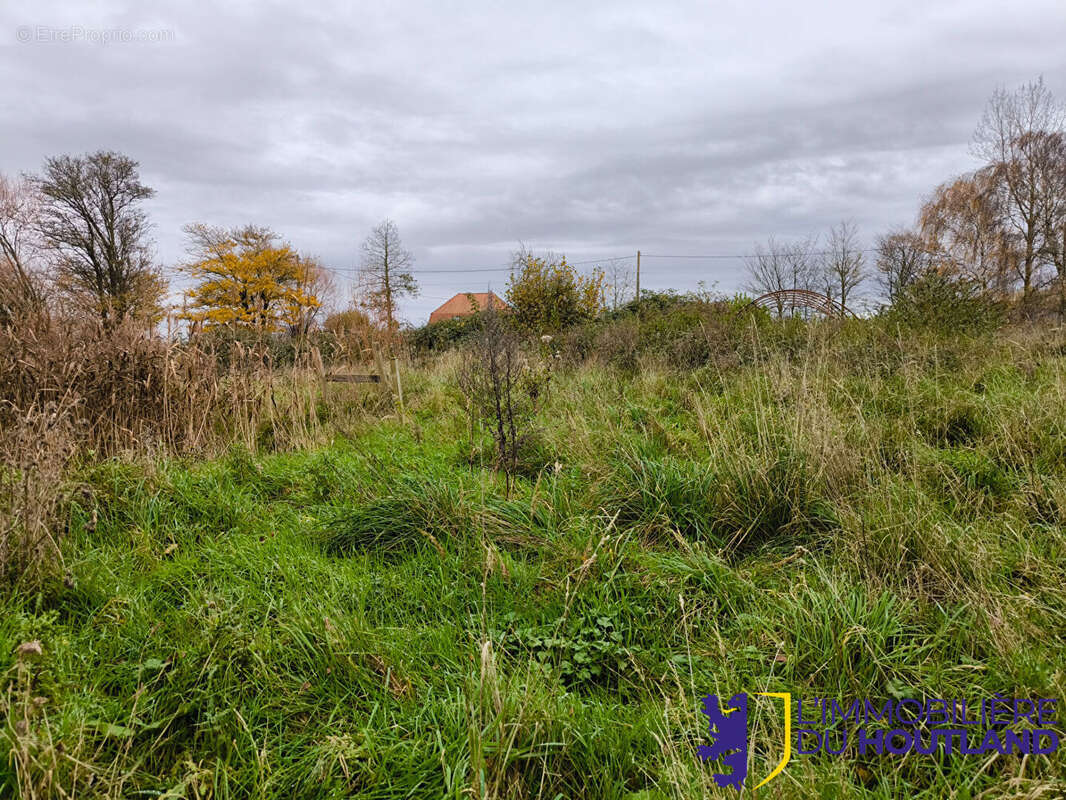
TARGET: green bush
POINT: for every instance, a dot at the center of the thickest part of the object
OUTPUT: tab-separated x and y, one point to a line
439	336
547	295
946	305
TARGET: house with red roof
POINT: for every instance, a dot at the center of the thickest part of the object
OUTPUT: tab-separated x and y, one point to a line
466	303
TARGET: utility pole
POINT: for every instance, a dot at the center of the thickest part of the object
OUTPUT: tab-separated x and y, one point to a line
638	282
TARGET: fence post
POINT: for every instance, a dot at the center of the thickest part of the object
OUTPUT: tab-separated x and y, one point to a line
399	385
384	373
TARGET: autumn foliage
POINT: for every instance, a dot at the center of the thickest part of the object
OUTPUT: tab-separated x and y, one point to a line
248	277
548	294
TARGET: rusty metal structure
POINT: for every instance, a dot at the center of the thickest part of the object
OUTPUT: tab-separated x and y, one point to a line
793	299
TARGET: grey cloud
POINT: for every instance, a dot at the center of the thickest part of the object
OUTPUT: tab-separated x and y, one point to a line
590	128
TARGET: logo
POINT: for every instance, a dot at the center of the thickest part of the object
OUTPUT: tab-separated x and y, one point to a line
931	726
729	727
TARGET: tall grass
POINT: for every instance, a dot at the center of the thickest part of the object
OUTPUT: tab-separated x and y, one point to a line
75	391
833	511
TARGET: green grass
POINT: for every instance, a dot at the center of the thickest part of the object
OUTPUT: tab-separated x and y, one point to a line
847	516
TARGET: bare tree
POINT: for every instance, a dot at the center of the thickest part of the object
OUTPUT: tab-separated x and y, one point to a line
315	281
843	265
767	272
1020	137
619	284
20	248
522	255
385	274
503	390
1053	245
901	259
802	262
776	267
91	216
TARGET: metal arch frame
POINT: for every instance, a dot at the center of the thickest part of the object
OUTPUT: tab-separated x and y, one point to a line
802	298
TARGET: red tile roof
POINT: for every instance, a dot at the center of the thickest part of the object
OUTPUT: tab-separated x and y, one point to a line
459	306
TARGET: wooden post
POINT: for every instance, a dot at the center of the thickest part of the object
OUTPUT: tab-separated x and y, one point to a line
471	458
380	362
354	378
399	385
638	283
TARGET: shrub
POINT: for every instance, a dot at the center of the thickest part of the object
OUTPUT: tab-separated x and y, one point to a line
503	391
548	295
947	305
651	302
443	335
685	331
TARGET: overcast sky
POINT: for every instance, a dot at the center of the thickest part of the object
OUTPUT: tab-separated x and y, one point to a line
592	129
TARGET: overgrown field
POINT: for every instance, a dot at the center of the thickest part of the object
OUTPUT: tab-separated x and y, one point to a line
842	512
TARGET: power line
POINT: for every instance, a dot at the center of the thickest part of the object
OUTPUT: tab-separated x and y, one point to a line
602	260
510	268
456	270
355	270
716	255
453	270
755	255
459	269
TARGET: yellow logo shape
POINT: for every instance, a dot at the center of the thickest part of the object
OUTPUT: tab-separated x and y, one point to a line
787	697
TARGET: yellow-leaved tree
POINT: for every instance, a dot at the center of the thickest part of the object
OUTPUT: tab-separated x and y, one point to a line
249	278
548	294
